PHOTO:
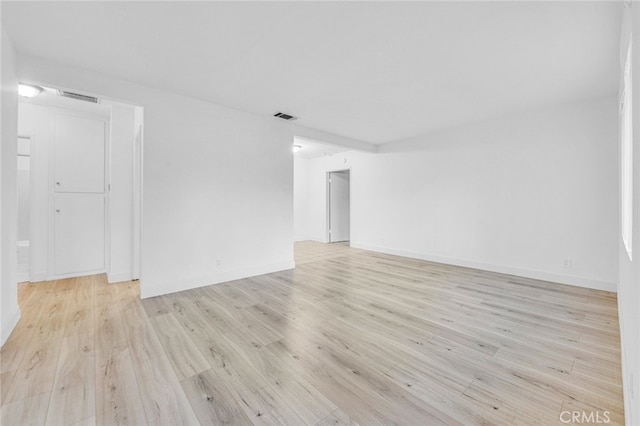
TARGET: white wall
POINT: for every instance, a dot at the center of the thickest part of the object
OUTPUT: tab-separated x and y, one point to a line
33	121
24	189
121	194
217	183
515	195
138	122
9	310
300	199
629	270
217	186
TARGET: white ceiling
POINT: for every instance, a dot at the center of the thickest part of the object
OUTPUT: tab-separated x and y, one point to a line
372	71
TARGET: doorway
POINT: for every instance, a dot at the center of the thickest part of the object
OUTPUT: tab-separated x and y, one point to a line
338	206
79	187
24	207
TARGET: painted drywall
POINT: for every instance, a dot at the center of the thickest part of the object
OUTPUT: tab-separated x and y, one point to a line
121	192
10	311
629	268
33	121
300	199
138	121
24	189
217	195
217	183
516	195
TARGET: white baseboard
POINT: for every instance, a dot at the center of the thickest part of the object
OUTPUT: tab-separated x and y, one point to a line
35	277
119	277
317	240
152	289
9	326
76	274
527	273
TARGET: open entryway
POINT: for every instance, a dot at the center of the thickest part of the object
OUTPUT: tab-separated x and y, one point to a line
322	191
24	206
79	187
338	206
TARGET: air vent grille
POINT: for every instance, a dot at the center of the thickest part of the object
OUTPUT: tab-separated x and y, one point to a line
285	116
78	96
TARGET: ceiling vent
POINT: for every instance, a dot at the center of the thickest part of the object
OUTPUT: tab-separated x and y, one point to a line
285	116
78	96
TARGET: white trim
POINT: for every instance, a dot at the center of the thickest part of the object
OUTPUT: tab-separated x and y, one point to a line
9	326
77	274
626	153
328	202
159	288
317	239
298	239
119	277
330	138
138	146
327	194
107	191
23	277
527	273
35	277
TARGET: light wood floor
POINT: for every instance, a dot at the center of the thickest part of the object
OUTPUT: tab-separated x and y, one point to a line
348	337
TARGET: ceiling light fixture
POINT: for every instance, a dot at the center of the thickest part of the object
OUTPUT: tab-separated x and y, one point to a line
297	148
28	90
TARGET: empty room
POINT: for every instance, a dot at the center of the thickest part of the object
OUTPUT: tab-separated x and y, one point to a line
320	213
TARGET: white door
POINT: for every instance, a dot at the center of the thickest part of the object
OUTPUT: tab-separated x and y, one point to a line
79	195
79	154
79	233
339	200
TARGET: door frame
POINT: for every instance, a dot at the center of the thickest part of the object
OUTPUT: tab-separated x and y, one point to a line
51	272
328	202
32	190
138	169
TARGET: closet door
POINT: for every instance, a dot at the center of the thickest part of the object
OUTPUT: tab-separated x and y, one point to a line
79	234
79	154
79	195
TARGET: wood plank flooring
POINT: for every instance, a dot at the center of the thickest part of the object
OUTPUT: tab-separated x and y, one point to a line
348	337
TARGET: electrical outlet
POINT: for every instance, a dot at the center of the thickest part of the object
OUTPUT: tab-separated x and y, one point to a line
567	263
218	263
